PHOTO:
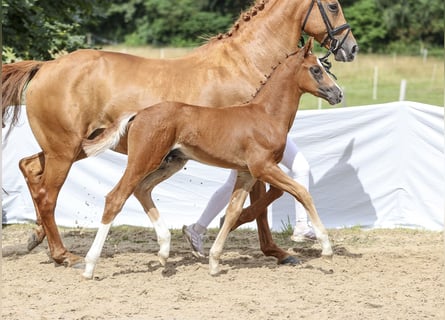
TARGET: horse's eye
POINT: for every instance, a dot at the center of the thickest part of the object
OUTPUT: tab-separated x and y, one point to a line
333	7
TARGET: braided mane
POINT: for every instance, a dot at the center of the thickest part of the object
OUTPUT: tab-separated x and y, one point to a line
245	17
263	82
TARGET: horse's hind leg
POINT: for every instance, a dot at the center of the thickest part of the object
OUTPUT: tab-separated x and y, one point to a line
32	169
44	188
267	244
252	211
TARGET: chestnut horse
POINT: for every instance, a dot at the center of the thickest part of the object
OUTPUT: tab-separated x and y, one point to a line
81	94
250	139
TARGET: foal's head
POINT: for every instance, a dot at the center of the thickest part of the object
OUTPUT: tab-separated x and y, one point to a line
311	76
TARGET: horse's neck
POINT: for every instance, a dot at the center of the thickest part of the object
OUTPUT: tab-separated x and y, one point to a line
260	41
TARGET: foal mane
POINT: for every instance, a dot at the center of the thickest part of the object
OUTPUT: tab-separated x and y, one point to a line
244	17
264	82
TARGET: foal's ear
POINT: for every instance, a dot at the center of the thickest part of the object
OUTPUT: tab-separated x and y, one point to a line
308	46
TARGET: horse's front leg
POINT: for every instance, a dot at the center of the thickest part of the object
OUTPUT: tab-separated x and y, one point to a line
243	185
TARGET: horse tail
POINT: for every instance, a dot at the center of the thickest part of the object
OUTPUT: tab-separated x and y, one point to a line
108	138
15	77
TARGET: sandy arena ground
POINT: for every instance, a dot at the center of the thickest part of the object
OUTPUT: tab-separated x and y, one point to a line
378	274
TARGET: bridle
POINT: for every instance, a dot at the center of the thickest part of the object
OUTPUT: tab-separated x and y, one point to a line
334	44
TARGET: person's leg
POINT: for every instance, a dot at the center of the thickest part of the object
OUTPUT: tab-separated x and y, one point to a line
194	232
299	168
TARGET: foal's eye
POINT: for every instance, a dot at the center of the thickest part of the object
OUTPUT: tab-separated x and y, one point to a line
333	7
316	71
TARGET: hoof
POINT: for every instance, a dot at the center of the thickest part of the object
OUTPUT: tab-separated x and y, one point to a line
73	261
33	241
162	260
328	257
290	260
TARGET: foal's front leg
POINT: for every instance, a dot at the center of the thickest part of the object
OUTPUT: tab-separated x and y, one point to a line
244	183
273	175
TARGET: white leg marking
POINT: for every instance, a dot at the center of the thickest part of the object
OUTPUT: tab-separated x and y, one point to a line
164	238
326	249
214	261
95	250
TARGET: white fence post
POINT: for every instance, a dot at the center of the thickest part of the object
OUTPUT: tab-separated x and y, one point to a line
375	83
402	90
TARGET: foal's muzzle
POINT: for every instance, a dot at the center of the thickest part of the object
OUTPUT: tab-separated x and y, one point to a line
333	95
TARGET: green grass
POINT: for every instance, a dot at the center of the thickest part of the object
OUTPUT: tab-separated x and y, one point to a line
425	79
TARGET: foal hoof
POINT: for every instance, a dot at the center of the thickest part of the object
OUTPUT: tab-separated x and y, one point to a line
290	260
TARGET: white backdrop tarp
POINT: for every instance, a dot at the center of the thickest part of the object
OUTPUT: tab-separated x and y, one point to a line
374	166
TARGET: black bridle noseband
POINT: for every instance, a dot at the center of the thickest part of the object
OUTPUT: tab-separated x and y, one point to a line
334	44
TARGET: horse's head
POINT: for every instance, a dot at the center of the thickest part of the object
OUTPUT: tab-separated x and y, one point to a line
324	21
313	78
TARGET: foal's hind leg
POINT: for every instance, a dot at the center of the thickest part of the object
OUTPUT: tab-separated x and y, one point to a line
114	202
137	169
143	194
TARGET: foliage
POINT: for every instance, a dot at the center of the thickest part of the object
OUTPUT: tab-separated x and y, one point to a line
39	29
167	22
365	20
413	21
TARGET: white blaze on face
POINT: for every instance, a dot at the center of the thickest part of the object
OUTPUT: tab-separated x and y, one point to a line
319	63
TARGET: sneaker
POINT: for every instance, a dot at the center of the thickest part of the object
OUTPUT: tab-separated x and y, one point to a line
303	235
195	240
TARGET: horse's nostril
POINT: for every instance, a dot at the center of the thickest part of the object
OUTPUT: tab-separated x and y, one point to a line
354	49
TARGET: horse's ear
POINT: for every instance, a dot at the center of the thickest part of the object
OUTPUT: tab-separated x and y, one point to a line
308	46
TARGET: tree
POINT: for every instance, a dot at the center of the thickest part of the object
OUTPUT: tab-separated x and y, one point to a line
167	22
39	29
365	19
411	21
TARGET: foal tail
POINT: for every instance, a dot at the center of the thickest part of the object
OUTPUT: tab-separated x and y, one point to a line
15	77
108	138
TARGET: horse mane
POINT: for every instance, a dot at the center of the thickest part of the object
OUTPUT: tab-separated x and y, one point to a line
244	17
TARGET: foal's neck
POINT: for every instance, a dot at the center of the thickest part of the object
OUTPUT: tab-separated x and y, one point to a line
280	95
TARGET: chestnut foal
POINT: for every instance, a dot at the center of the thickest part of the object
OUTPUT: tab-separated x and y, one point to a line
249	138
